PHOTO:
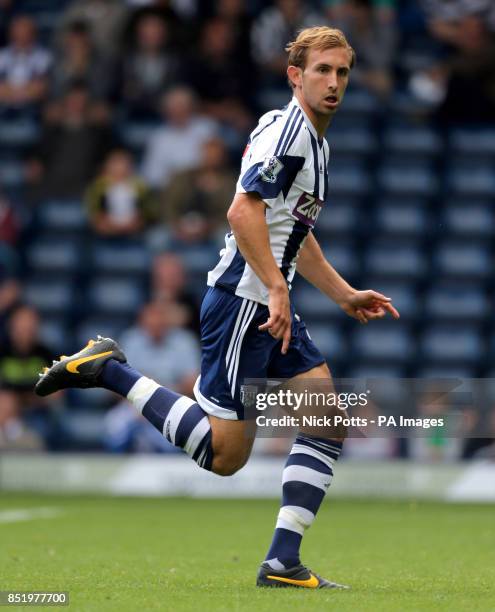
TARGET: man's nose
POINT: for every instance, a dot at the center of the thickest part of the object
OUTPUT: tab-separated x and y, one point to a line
332	81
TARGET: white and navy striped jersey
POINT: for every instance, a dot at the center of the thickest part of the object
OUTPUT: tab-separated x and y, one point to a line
286	164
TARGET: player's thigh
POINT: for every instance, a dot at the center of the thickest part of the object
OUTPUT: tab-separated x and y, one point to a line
325	385
232	440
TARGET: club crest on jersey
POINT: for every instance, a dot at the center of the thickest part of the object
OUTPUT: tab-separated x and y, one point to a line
270	168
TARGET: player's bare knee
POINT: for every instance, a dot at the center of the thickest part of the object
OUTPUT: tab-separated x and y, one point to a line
227	465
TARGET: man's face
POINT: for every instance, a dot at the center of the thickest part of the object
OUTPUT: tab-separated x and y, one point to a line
324	79
22	32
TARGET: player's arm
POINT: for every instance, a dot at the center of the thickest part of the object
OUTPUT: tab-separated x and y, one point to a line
246	216
362	305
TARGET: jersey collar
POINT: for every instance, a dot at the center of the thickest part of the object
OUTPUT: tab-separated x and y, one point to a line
307	121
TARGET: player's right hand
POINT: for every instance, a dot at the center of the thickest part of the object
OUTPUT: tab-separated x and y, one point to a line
279	321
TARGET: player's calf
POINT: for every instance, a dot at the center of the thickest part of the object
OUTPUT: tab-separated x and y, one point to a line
232	443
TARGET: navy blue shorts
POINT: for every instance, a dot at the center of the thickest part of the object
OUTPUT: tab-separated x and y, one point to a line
233	349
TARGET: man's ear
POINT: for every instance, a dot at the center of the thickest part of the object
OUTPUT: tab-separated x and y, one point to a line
294	74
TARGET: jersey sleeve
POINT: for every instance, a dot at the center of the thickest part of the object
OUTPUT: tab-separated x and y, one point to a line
271	162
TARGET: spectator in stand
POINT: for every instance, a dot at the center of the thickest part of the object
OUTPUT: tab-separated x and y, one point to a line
471	69
272	29
216	61
467	29
22	356
74	142
24	67
9	223
177	145
235	12
7	11
106	21
119	202
168	354
195	202
9	287
371	28
78	61
169	285
445	19
150	67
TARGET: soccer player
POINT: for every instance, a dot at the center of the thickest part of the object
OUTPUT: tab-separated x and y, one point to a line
248	326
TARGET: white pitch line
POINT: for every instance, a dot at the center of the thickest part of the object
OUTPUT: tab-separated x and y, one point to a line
17	515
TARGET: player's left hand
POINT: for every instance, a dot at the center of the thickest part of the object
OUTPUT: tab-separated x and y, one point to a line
368	305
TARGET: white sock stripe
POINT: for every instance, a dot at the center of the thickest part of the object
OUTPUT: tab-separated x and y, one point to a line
180	407
238	349
281	524
141	392
196	435
312	452
238	340
235	332
297	517
307	475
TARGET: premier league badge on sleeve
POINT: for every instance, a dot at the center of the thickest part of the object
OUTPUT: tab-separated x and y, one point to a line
270	168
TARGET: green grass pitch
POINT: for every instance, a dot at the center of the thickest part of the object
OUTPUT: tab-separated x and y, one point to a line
186	554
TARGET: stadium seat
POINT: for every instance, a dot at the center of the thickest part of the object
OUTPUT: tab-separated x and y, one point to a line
312	305
121	258
393	258
49	296
350	178
401	218
342	256
412	140
18	133
122	297
55	335
471	177
469	218
11	172
458	259
457	301
446	371
62	215
360	101
444	344
358	140
383	342
338	217
405	104
473	141
402	177
48	255
371	370
330	340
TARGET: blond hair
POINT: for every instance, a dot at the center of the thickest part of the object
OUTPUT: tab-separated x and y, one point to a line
318	37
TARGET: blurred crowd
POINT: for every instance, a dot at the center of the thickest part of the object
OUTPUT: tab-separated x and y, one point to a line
138	111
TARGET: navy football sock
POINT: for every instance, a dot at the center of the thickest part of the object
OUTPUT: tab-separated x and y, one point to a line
307	475
178	418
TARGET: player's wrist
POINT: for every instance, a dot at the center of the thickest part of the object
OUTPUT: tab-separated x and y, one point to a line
345	296
278	287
